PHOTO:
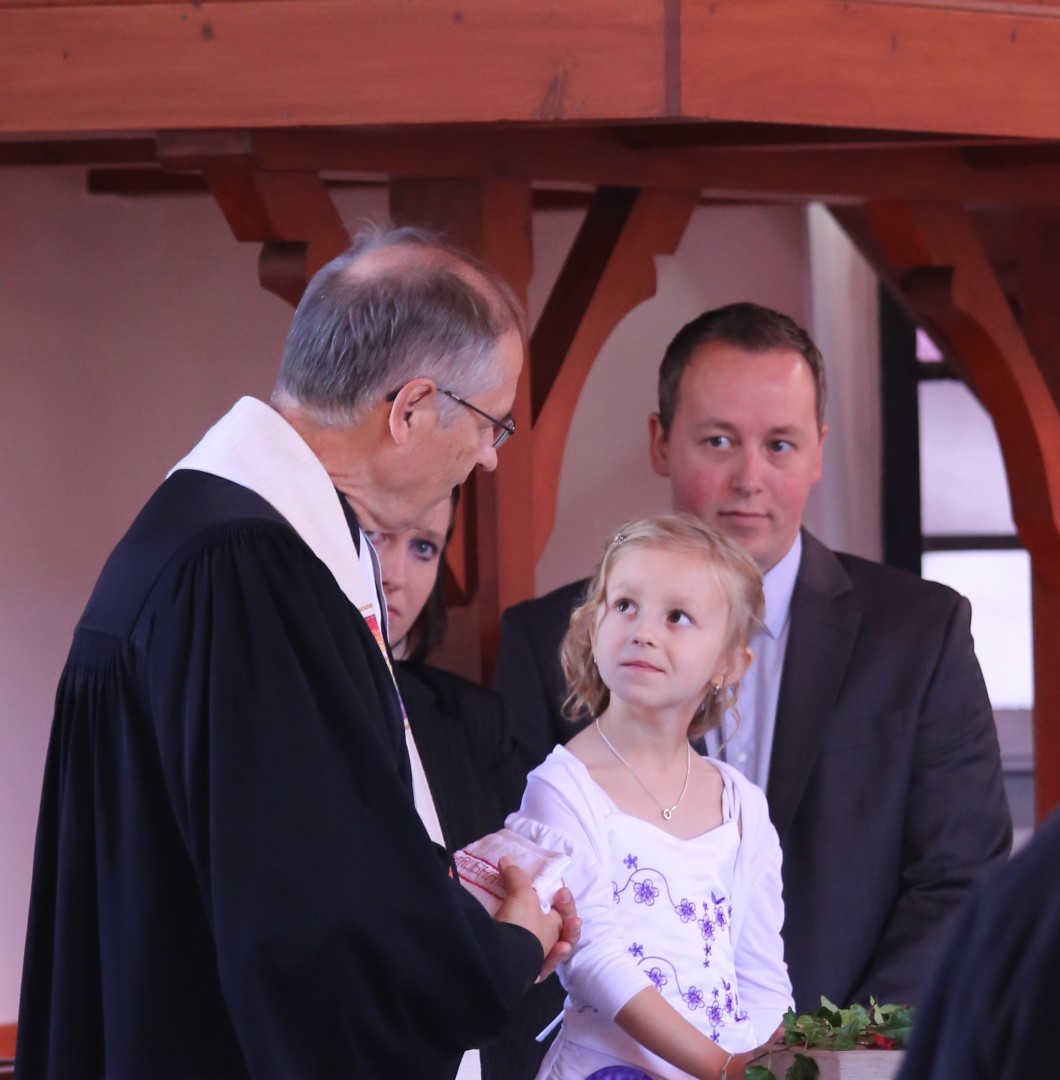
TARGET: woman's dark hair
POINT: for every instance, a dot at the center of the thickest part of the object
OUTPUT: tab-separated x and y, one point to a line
428	630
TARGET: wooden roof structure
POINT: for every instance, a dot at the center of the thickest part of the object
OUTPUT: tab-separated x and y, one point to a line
930	127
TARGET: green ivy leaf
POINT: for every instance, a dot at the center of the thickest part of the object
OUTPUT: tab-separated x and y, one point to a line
844	1029
758	1072
790	1022
898	1025
803	1068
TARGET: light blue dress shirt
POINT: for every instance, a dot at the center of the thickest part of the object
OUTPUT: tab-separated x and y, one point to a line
746	743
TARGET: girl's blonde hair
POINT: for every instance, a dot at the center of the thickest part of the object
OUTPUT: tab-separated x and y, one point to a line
737	574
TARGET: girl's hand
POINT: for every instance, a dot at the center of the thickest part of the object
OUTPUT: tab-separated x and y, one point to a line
738	1066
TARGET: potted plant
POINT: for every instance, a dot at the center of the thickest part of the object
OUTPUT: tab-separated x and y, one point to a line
818	1045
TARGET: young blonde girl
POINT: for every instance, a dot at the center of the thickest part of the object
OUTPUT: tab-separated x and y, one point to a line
676	869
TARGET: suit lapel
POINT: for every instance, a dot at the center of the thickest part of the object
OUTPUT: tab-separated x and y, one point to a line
825	615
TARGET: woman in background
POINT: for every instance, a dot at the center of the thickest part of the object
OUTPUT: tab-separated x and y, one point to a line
460	729
464	741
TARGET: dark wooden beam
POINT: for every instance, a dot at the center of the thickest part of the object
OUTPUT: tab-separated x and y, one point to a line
607	156
653	225
578	281
491	554
99	151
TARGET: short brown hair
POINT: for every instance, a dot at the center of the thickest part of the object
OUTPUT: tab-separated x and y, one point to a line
737	573
747	326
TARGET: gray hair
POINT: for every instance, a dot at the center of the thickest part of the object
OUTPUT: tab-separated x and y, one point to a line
398	304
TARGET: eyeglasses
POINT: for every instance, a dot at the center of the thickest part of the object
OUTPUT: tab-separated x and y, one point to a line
503	430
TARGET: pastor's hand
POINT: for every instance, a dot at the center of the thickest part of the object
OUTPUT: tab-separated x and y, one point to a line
558	930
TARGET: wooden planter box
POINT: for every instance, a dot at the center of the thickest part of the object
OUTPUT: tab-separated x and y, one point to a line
839	1064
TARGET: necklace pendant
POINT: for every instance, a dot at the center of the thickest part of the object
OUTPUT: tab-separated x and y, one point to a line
667	814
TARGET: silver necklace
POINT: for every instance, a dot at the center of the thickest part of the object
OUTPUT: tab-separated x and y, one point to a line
667	811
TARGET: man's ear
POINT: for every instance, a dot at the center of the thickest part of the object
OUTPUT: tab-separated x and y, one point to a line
658	446
408	407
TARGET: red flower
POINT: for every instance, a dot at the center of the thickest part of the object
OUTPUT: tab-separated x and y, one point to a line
882	1041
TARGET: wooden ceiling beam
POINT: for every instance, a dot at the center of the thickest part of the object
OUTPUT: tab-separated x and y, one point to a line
977	67
605	157
115	151
972	66
265	63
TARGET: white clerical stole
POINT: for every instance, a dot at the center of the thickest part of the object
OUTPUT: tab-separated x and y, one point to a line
253	446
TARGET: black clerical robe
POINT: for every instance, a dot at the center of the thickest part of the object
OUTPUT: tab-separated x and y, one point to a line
230	878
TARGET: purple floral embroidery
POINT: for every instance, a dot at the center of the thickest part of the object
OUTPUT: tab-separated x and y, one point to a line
716	919
645	892
712	918
732	1005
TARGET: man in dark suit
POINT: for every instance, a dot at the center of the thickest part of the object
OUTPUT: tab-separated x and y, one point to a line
865	715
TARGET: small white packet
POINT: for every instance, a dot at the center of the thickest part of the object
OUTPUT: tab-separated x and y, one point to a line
478	867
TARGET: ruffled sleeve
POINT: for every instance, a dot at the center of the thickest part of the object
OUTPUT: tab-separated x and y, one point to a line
561	811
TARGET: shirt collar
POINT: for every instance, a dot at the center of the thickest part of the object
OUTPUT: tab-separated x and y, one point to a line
778	584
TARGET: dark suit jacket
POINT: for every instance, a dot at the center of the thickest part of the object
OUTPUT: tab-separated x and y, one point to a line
885	785
476	779
465	743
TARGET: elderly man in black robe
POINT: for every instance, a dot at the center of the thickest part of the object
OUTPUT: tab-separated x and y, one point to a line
232	875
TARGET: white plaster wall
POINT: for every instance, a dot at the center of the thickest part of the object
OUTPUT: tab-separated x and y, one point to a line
845	509
128	325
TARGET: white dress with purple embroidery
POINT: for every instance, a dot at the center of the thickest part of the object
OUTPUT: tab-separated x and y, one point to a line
697	919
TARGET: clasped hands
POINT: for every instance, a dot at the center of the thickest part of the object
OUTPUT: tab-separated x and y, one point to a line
558	929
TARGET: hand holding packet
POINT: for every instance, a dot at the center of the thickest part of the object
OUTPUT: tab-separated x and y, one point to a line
478	868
